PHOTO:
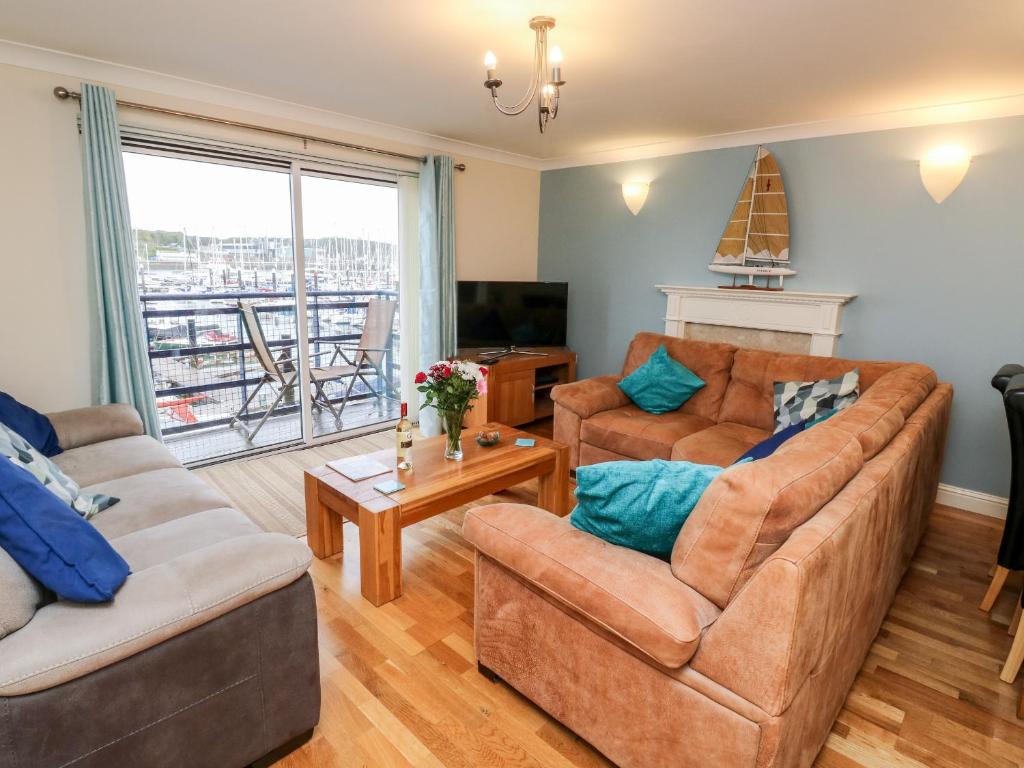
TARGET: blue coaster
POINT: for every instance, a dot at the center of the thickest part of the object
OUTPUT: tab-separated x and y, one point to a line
389	486
525	442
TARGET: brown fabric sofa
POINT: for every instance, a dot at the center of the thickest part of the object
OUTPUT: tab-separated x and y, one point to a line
740	651
207	655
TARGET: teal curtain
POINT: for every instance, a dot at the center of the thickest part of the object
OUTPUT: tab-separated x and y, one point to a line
122	365
437	270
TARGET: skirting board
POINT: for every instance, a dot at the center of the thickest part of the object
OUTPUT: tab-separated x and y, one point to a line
972	501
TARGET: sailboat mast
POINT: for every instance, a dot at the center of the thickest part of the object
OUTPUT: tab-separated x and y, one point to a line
750	210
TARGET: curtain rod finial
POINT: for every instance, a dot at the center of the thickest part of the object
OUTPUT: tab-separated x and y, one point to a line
61	92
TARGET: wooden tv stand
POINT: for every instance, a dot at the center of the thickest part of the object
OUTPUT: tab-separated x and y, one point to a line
519	386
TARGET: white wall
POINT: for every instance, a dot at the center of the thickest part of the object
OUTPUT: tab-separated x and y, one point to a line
45	284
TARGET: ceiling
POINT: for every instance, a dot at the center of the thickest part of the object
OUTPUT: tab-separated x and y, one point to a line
637	72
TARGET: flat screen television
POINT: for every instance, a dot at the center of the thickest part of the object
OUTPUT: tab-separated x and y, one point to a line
496	314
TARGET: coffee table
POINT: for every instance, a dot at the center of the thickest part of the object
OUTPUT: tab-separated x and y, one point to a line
434	485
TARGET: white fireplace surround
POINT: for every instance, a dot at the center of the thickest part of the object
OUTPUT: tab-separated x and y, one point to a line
815	316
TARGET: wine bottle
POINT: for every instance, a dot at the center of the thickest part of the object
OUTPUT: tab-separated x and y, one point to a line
403	439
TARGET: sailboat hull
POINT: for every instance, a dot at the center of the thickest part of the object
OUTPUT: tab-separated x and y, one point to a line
744	269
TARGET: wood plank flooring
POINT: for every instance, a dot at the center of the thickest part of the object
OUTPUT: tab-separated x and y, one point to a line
400	686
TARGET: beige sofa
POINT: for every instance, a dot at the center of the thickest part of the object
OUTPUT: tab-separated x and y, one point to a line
740	651
206	657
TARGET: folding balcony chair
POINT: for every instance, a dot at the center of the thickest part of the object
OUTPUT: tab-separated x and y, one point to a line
282	372
367	357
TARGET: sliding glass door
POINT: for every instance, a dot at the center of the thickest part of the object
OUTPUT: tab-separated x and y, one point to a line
237	366
350	249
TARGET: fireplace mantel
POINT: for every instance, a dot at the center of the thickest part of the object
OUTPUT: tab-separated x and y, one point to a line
789	320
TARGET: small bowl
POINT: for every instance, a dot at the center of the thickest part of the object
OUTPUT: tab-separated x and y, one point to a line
489	438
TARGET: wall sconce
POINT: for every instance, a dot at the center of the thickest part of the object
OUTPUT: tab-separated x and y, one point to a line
635	195
942	170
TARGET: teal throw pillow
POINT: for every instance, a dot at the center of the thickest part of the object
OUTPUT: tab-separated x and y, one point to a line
662	384
639	504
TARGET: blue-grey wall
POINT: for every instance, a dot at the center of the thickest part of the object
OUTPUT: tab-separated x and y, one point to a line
939	284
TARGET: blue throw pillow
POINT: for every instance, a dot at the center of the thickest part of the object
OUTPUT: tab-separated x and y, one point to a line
639	504
662	384
48	539
767	447
30	424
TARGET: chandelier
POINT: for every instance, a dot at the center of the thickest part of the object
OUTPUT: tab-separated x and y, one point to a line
545	63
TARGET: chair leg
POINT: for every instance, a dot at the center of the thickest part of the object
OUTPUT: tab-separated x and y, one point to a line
1015	621
270	410
1013	659
998	581
348	391
237	416
323	398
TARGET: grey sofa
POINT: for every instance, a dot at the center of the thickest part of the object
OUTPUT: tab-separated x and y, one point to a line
206	657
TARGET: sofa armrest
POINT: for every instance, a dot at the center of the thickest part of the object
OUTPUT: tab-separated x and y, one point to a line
85	426
628	594
65	641
590	396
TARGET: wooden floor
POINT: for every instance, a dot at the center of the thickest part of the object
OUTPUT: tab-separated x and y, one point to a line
400	686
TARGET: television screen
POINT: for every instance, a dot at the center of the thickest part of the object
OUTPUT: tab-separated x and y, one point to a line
504	314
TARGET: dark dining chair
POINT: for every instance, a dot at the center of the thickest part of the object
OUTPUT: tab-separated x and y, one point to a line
1009	381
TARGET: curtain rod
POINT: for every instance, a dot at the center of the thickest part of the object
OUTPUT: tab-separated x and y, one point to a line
63	93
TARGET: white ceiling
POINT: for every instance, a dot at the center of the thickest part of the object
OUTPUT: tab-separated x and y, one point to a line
637	72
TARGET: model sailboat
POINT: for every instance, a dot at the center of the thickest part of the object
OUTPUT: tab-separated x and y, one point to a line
756	239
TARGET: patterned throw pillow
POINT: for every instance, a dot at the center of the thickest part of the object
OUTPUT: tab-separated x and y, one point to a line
797	401
17	449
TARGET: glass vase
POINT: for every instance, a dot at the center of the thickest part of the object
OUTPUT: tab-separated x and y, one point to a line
452	421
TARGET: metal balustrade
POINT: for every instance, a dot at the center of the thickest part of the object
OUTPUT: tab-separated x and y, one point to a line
204	369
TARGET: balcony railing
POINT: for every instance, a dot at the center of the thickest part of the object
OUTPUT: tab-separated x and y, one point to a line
203	365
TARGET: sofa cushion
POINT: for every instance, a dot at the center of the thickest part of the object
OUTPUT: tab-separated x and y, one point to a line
155	604
20	595
628	594
750	511
720	444
710	361
641	505
161	543
749	397
30	424
53	543
95	423
879	414
662	384
631	431
111	459
154	497
589	396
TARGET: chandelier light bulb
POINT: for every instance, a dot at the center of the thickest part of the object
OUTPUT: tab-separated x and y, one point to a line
490	60
555	56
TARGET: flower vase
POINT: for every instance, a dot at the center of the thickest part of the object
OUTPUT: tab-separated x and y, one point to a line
452	421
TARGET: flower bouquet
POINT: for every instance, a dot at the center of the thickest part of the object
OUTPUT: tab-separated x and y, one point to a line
450	388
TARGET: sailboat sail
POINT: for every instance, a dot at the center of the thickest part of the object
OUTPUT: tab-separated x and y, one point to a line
756	237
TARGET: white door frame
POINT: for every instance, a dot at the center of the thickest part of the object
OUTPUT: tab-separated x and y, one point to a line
298	169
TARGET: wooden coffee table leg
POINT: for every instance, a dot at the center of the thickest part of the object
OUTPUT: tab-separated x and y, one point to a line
380	550
553	488
323	525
